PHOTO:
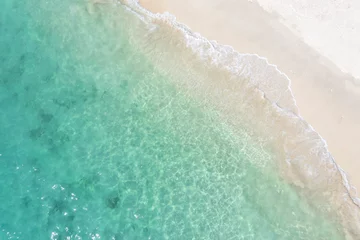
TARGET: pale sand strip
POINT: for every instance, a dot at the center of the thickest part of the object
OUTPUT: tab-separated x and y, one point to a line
326	97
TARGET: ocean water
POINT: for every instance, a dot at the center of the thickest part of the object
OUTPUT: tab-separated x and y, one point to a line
97	142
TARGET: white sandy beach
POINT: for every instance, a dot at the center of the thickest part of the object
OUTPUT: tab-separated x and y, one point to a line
326	96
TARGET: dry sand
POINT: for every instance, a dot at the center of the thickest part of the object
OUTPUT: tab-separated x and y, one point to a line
326	97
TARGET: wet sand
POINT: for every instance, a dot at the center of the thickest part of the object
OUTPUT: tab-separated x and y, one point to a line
327	98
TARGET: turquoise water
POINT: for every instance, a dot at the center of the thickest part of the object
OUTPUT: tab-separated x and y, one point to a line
95	143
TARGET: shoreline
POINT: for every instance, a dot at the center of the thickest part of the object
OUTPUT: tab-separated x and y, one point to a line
325	96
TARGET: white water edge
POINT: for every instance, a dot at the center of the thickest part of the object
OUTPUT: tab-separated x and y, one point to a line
282	99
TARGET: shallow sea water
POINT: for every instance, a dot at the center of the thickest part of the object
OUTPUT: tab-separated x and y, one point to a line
95	143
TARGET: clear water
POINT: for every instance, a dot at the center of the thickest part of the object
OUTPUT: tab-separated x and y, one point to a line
95	143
